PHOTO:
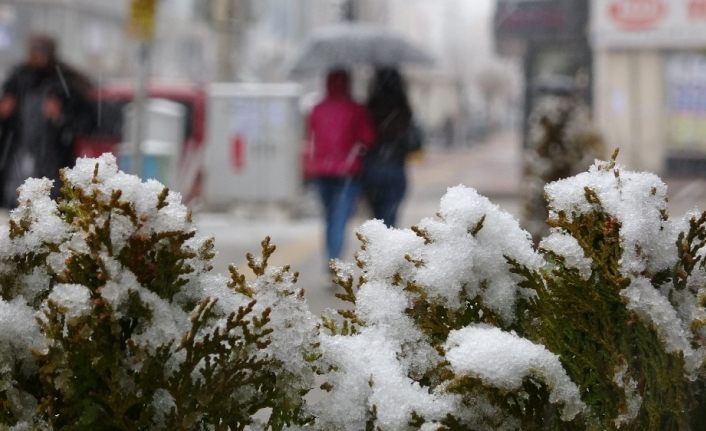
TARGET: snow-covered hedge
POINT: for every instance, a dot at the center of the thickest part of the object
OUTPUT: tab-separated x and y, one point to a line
110	317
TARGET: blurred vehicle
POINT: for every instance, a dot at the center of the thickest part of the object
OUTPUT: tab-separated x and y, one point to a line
240	145
107	135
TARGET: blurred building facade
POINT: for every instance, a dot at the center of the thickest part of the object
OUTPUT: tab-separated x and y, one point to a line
88	31
551	39
650	87
456	94
256	40
92	35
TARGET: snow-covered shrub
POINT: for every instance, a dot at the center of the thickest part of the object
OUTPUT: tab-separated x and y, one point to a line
620	298
459	324
111	319
432	341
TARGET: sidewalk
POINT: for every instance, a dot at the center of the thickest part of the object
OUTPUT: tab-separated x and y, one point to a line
686	194
493	167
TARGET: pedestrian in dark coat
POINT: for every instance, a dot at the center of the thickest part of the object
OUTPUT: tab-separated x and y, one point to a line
44	105
384	176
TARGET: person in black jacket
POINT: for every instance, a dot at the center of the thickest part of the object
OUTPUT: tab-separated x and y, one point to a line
44	105
384	176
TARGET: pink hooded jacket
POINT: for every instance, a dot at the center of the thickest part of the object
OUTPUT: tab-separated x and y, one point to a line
339	130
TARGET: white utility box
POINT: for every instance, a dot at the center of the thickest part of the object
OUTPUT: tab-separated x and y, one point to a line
253	140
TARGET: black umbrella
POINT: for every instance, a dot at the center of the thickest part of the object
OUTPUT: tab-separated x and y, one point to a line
347	45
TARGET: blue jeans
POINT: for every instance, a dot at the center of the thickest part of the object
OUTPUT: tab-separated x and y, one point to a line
385	184
338	196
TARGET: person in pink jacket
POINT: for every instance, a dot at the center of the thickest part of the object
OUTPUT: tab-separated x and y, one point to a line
339	132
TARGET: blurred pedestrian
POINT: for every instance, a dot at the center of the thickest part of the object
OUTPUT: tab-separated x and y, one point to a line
339	132
44	105
397	136
448	129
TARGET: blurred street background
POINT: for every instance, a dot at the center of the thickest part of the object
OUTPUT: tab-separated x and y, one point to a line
207	88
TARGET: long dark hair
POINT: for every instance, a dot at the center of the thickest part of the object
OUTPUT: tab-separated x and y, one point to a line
388	104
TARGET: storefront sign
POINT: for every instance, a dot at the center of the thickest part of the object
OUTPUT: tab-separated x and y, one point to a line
697	9
648	23
636	15
530	17
518	23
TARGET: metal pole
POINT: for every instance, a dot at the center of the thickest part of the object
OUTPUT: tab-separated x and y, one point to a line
140	105
222	16
348	11
230	20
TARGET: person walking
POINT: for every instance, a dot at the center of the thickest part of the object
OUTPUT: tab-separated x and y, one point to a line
44	105
339	132
384	176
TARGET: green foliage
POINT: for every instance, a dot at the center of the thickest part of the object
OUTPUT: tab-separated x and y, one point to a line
88	376
586	322
96	367
688	246
627	375
527	407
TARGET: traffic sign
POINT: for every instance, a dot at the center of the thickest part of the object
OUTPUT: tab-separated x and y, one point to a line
141	20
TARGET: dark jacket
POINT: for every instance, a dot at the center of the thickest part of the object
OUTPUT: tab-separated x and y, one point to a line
34	145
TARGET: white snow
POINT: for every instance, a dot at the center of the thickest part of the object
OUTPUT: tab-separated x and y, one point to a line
294	327
568	247
36	206
385	250
20	333
633	399
383	306
455	261
636	200
144	196
503	360
653	308
461	252
369	375
73	299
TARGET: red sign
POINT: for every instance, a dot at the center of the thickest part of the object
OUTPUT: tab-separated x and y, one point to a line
237	153
637	15
697	9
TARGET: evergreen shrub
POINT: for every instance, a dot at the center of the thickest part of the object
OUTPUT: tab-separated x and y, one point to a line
111	317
